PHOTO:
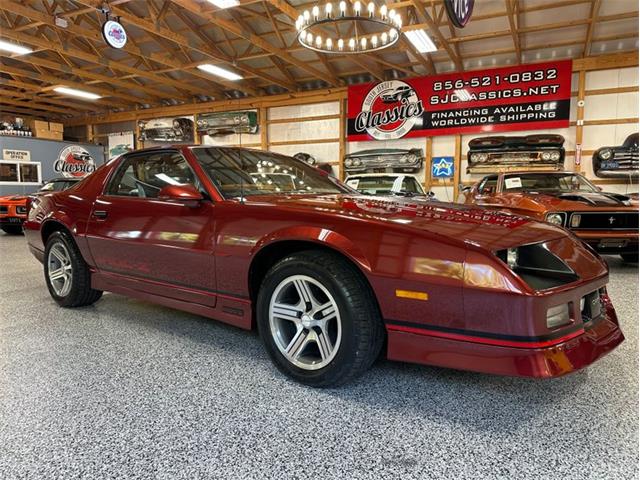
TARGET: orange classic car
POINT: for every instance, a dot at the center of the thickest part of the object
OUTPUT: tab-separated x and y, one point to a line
608	222
13	211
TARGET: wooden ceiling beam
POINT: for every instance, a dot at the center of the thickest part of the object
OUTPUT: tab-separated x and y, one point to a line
53	80
435	30
96	36
36	106
509	4
10	109
593	17
216	19
40	98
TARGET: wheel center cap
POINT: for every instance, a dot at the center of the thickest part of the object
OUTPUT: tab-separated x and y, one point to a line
306	321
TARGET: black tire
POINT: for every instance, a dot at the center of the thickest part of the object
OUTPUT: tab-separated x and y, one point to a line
81	294
629	257
12	229
361	322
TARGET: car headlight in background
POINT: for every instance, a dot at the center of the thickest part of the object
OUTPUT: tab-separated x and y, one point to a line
348	162
606	154
512	257
176	124
555	218
555	156
411	158
357	162
201	123
558	316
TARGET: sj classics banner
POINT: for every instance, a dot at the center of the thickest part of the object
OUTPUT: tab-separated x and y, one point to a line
522	97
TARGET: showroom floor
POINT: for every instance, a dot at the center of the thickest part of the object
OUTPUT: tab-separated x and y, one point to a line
131	390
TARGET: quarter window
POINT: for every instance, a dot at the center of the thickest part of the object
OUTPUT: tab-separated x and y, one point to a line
488	186
145	175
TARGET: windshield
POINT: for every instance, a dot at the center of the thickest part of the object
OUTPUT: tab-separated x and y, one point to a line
372	185
565	182
238	172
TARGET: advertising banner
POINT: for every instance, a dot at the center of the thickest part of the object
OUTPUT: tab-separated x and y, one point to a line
521	97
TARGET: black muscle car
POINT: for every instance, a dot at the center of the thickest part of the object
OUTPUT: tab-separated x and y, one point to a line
617	162
531	152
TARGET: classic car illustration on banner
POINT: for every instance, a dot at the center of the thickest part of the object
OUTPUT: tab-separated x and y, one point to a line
388	184
491	154
226	123
330	278
381	159
608	222
617	162
74	161
178	129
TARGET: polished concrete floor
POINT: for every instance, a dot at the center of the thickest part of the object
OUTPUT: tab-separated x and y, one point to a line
125	389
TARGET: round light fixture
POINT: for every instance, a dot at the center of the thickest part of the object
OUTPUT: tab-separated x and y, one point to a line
382	27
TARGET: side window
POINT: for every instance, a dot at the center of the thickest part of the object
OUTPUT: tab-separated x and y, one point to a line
145	175
410	185
488	186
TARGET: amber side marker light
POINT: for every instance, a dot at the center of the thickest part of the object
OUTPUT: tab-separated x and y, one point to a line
412	294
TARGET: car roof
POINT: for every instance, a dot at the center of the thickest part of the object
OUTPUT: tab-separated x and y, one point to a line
395	175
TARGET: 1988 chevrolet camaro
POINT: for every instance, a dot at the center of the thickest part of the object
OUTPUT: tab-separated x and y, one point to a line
329	277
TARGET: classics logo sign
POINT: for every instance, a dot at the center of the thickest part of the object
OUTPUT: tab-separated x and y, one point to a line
114	34
74	162
389	111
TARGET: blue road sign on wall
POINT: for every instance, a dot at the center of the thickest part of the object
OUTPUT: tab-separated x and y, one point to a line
442	167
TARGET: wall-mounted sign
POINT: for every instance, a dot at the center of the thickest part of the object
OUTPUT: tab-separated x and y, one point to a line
114	34
120	143
174	130
74	162
522	97
459	11
442	167
16	155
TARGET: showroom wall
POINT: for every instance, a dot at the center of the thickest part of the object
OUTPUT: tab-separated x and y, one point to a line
45	153
314	123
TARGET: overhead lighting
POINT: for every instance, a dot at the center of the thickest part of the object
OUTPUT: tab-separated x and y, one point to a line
220	72
13	48
225	3
77	93
421	41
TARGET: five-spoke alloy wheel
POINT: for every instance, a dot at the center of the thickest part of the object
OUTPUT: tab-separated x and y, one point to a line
318	318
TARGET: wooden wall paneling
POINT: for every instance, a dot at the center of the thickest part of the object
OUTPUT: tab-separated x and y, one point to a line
263	125
343	137
457	161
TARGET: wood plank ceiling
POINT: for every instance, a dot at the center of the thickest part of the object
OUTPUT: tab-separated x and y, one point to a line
168	39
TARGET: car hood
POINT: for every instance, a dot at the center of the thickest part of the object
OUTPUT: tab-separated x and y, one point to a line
13	198
380	151
576	200
459	223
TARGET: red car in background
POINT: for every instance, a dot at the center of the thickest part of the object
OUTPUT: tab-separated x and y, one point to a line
327	276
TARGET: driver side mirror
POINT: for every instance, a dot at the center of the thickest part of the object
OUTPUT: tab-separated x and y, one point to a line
186	194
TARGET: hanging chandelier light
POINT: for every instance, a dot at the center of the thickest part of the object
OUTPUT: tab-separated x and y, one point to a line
314	34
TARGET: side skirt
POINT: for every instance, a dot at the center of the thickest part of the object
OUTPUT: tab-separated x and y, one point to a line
222	307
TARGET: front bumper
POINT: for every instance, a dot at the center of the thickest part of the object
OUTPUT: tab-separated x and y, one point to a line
11	220
610	242
599	337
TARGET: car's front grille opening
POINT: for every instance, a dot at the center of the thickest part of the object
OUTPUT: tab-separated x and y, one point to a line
4	209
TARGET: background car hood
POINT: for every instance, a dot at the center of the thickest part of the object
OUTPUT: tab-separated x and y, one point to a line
13	198
380	151
575	201
459	223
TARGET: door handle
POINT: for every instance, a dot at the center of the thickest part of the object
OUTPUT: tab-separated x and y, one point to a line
100	213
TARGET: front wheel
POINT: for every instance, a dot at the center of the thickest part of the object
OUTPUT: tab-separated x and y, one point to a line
66	273
629	257
318	319
12	229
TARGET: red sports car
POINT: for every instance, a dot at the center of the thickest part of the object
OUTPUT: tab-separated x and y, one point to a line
328	276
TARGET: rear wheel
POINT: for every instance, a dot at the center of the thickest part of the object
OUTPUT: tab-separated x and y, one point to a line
66	273
12	229
630	257
318	319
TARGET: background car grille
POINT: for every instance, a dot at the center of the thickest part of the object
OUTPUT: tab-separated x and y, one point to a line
626	160
606	221
4	209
